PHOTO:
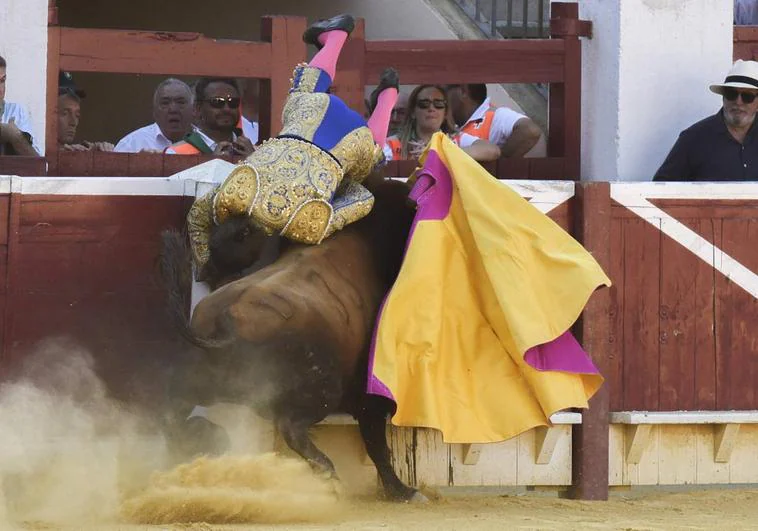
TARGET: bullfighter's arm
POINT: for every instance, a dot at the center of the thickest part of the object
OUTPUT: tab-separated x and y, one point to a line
199	223
351	202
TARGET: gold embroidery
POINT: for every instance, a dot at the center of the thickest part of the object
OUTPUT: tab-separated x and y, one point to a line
310	222
305	78
356	153
351	203
276	180
237	193
199	222
303	114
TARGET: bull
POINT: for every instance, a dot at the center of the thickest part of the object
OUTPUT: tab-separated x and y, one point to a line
292	339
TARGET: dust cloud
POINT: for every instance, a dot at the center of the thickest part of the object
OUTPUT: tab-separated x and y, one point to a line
263	489
70	456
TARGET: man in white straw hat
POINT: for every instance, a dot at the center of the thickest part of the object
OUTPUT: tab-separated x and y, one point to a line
722	147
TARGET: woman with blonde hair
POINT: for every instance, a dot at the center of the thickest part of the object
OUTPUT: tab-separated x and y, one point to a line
427	114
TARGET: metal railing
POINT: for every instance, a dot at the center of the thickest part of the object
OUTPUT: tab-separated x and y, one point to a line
510	19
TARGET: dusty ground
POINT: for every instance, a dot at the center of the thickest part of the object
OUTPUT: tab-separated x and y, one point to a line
710	509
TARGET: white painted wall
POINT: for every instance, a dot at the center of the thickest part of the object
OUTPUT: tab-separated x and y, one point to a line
646	73
23	44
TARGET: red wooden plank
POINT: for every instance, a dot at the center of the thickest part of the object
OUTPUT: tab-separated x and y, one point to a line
705	341
679	275
590	438
551	168
5	205
23	166
53	67
175	163
75	163
736	334
88	268
94	218
349	81
145	164
147	52
518	168
563	215
106	164
453	61
287	50
641	335
614	374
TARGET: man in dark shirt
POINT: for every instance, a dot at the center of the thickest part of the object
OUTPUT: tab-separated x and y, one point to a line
722	147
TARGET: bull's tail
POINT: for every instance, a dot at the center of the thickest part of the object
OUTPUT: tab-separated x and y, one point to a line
176	272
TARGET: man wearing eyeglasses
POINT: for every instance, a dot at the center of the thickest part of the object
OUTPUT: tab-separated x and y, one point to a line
217	105
722	147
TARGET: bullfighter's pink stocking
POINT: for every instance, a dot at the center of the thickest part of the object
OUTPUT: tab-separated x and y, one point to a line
326	57
379	121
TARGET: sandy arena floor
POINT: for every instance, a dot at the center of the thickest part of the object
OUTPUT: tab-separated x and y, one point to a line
712	509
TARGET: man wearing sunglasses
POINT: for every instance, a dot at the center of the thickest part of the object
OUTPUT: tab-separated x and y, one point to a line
217	106
722	147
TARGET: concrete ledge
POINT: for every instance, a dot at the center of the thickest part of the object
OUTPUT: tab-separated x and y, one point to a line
726	428
684	417
343	419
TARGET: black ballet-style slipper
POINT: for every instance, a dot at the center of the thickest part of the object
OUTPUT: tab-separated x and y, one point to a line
340	22
389	79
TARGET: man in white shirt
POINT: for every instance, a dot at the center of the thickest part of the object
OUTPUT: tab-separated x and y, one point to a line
16	136
173	112
474	114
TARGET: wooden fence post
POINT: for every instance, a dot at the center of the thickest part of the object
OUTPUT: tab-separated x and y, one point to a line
590	439
350	80
51	106
565	104
287	50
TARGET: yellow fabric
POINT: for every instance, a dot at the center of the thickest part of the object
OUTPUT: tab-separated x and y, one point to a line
476	290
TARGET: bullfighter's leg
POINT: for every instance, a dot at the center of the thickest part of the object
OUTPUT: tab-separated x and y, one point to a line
383	99
372	421
330	36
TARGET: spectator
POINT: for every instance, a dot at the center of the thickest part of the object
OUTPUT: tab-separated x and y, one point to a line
427	115
217	106
15	124
722	147
746	12
69	114
173	113
473	112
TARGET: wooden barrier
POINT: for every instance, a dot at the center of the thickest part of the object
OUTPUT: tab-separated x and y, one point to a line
676	332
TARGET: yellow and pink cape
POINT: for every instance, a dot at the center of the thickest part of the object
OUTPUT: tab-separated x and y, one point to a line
473	339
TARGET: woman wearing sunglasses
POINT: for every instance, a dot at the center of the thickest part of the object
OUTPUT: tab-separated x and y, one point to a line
305	183
428	114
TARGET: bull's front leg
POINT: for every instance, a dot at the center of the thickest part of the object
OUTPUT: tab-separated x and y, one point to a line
372	421
295	434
